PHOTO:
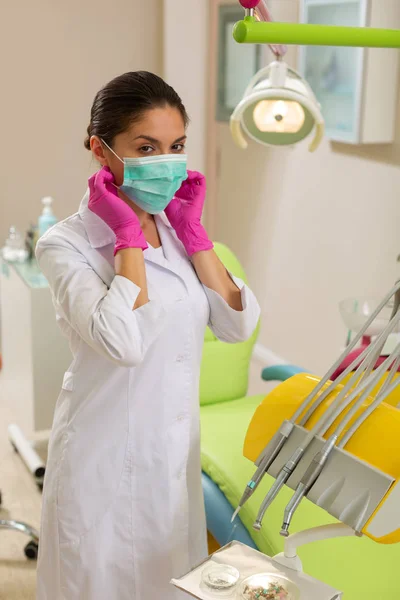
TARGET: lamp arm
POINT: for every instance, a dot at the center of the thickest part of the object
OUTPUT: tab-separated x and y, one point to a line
263	14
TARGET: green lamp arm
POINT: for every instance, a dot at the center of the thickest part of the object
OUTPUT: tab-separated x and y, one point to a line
251	31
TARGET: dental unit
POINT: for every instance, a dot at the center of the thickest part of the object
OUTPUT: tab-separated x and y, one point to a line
335	440
339	448
270	452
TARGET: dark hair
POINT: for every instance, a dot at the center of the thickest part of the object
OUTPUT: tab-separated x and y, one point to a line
125	99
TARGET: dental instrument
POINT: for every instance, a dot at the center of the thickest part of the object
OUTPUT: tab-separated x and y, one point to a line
315	468
326	420
320	459
274	447
266	459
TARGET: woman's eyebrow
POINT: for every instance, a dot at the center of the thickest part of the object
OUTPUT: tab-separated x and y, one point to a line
148	138
181	139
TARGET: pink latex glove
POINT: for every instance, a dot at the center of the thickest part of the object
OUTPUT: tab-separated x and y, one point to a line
106	204
184	213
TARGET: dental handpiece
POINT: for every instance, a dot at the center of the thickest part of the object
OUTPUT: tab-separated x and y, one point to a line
307	481
265	463
279	482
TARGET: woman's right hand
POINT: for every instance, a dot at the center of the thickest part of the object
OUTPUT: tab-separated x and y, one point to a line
106	204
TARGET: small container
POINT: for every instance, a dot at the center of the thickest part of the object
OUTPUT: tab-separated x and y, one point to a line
355	312
268	586
221	580
14	250
47	219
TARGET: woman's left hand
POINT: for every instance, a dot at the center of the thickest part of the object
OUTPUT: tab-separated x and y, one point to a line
184	212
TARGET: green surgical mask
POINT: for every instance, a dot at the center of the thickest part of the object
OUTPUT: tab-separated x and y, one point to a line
152	181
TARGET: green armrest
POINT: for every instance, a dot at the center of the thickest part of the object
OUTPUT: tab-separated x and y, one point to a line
280	372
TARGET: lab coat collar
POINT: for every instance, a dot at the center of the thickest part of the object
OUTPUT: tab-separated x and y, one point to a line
100	235
173	251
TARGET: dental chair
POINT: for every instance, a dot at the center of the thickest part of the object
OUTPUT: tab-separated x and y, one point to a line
363	569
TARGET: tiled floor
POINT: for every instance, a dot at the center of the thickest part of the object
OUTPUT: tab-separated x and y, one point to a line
22	499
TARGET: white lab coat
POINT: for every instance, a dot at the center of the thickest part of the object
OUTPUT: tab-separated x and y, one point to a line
123	507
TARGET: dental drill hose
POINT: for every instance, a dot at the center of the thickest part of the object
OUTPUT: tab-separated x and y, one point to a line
367	351
381	397
341	401
365	385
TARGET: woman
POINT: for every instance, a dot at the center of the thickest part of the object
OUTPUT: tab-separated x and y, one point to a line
134	289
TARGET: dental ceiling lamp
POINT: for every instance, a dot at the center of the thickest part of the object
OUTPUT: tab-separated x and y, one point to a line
278	107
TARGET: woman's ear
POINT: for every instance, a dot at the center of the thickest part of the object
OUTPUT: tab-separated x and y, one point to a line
98	151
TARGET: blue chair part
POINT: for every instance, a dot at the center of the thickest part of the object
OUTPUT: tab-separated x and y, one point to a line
219	514
281	372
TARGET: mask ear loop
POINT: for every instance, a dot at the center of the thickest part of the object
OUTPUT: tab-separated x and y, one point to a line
111	150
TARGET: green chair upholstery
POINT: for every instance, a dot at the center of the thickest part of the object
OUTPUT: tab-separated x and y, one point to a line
364	570
225	367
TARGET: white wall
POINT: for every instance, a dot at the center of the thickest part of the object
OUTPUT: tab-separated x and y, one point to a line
185	67
311	229
55	57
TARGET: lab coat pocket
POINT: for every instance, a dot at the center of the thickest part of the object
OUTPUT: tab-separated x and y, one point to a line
93	459
87	488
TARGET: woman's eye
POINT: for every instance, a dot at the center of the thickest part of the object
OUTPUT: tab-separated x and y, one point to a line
178	147
146	149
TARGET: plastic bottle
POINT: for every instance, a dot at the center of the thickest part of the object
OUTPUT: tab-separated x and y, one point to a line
47	219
